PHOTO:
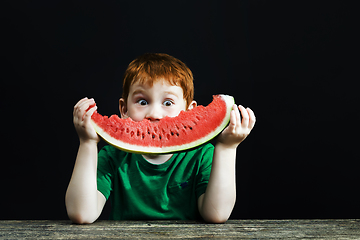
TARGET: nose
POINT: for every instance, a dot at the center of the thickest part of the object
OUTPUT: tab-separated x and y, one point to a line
153	114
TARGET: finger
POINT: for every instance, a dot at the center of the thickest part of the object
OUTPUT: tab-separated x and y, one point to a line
237	114
76	110
86	107
245	117
232	124
89	113
78	105
85	104
80	101
82	107
252	119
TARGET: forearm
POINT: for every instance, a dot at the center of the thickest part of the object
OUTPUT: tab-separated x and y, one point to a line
219	199
217	203
81	196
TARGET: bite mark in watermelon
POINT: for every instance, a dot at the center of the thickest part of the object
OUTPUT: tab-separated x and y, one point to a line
171	134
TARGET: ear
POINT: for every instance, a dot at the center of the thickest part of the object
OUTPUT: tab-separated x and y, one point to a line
192	105
123	108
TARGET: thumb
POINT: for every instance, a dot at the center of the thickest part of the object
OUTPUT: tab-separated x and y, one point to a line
232	125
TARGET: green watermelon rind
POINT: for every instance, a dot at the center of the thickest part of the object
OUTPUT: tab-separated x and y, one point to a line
229	100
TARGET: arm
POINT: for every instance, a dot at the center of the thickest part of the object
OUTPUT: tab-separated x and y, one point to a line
217	203
84	202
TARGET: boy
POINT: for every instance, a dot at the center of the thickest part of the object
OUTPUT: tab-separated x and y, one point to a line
194	184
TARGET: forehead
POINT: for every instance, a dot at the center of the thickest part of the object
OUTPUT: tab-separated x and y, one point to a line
146	79
158	87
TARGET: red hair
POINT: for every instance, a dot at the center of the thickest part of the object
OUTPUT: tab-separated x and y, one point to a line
151	67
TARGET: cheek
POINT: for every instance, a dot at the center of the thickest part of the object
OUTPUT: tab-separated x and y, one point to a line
136	115
175	112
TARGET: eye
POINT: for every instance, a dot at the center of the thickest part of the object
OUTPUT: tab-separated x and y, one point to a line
142	102
168	103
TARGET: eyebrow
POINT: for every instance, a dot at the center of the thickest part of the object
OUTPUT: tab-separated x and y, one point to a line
172	93
141	91
137	91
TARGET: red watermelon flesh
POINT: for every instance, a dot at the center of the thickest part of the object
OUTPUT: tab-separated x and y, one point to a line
171	134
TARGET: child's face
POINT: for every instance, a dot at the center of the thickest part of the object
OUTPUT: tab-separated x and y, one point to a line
154	103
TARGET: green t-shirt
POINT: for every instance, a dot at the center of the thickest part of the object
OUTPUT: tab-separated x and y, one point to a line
139	189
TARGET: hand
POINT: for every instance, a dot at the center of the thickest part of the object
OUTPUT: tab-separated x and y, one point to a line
83	111
238	128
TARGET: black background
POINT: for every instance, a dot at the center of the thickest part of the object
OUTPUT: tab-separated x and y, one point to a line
293	62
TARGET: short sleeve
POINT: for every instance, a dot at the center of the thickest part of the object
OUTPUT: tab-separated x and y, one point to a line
105	171
202	178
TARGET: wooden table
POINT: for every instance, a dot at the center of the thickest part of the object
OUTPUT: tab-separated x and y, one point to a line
243	229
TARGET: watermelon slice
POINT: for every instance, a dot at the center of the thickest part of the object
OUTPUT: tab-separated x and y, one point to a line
171	134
